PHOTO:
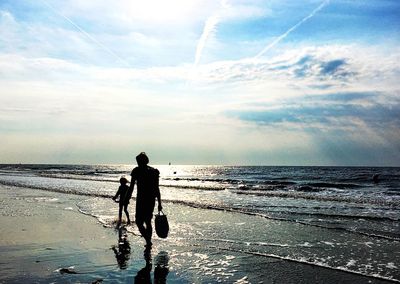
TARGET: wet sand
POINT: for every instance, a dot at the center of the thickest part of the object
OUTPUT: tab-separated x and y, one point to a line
45	239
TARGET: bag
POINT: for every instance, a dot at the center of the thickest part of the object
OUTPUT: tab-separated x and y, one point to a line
161	224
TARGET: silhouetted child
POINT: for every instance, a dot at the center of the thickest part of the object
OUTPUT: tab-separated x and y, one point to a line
124	194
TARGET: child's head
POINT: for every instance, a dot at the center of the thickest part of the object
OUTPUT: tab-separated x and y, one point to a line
123	180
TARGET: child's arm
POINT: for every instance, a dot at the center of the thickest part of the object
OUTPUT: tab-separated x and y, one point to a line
117	194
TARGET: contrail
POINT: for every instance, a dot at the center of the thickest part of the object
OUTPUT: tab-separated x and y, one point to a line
87	34
281	37
209	28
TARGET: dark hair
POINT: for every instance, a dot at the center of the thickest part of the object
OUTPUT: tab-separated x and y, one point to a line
123	180
142	159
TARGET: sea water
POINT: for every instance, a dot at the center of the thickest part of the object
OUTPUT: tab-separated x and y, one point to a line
351	214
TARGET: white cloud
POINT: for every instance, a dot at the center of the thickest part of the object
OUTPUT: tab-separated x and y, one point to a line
54	82
305	69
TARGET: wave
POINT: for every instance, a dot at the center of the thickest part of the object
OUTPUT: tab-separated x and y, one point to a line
366	207
341	216
206	188
272	182
301	179
203	179
254	181
303	261
254	243
88	178
228	208
220	207
241	183
223	184
335	198
57	190
116	180
372	200
333	185
299	194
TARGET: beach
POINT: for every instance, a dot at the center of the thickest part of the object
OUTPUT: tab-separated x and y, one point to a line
48	237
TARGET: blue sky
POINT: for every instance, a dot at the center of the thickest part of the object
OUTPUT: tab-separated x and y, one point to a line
200	82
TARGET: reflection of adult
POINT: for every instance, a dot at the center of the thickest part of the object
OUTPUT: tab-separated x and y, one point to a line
146	178
144	275
161	270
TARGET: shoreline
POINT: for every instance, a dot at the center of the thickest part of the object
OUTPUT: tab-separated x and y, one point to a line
46	239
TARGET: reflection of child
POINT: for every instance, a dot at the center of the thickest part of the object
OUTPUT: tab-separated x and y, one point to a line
124	194
123	250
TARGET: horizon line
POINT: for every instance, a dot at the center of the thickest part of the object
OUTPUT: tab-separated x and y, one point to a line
204	165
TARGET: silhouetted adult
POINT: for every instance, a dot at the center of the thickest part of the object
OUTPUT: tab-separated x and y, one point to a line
148	190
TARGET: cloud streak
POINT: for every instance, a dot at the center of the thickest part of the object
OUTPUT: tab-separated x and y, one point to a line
284	35
90	37
209	28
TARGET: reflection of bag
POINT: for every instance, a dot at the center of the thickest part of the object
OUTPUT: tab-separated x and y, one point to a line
161	224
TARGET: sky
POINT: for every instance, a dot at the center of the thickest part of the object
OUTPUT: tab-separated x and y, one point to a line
229	82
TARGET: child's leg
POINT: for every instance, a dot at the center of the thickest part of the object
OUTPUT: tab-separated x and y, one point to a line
120	213
127	213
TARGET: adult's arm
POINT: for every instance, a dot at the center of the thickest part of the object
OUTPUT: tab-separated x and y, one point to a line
132	184
158	195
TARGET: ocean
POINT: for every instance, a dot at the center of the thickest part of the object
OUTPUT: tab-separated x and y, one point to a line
354	206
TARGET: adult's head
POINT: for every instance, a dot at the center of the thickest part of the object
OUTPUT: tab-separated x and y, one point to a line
142	159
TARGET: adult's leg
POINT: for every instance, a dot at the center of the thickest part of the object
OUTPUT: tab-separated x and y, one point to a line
140	225
149	231
144	226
